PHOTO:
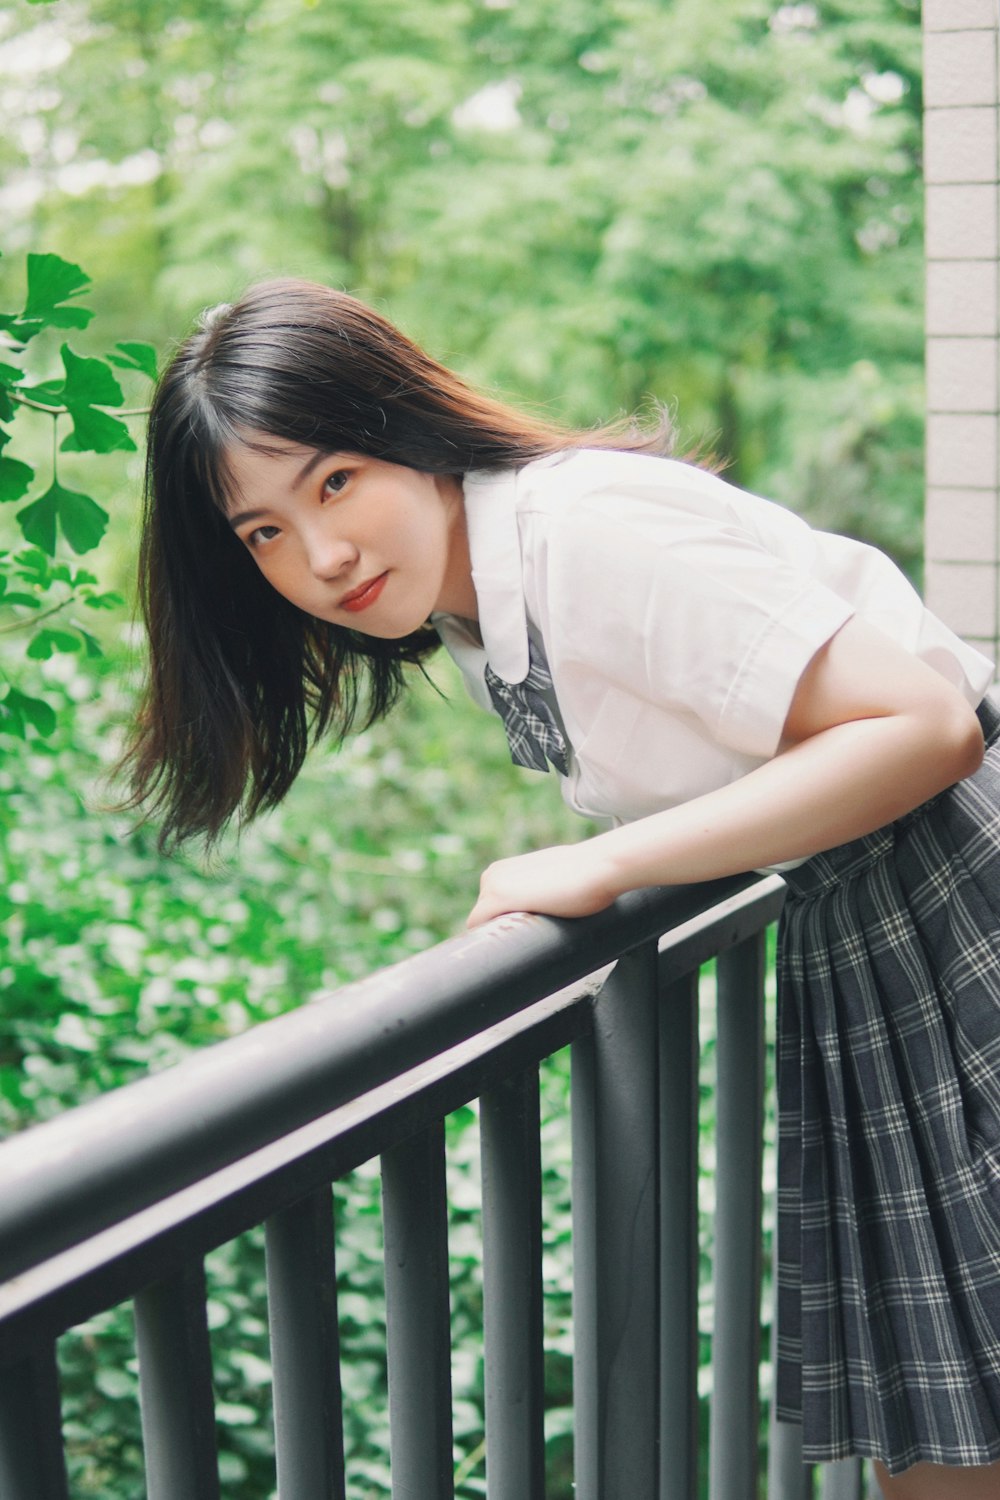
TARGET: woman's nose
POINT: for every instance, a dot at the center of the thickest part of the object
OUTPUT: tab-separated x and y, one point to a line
330	555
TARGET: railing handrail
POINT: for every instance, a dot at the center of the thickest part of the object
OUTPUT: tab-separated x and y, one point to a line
70	1177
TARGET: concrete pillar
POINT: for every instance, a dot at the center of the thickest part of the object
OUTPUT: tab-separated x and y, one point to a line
961	99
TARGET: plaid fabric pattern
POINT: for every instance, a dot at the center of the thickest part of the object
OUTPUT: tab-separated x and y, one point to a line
889	1159
533	735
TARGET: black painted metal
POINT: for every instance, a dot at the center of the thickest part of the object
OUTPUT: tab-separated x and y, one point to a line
418	1332
305	1352
145	1246
512	1289
679	1240
615	1231
175	1388
733	1447
122	1192
70	1177
31	1451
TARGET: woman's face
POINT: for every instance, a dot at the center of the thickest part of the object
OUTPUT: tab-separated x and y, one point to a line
351	539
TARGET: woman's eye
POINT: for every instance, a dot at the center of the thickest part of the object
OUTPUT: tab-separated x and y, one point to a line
335	482
261	534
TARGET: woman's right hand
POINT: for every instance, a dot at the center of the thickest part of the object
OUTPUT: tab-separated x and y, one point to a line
565	880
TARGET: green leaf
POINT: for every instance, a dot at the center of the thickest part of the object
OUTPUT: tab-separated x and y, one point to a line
21	329
136	356
82	520
9	375
89	384
11	719
104	601
33	565
38	522
48	392
51	281
95	432
68	317
92	645
15	477
89	381
17	710
48	641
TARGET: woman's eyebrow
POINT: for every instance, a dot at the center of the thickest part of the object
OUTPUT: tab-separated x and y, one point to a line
239	517
310	464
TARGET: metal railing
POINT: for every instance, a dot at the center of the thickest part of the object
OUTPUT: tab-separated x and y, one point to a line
123	1197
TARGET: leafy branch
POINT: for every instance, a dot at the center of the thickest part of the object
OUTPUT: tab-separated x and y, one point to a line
35	584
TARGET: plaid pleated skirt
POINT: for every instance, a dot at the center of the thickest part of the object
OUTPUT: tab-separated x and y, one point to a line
889	1131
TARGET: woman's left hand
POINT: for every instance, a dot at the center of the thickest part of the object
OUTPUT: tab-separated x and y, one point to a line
567	880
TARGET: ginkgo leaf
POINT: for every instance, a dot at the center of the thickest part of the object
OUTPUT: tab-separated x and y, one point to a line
135	356
48	392
89	381
47	642
82	520
96	432
103	601
51	282
15	477
21	329
92	645
38	522
17	710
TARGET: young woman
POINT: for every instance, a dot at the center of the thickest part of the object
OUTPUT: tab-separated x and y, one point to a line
326	504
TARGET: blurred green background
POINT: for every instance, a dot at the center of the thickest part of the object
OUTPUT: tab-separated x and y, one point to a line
579	204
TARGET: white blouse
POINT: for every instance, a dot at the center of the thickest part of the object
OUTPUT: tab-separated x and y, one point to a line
677	614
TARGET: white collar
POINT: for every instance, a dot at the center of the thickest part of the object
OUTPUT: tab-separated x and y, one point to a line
495	551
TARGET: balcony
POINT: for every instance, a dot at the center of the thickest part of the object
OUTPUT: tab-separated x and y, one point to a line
124	1197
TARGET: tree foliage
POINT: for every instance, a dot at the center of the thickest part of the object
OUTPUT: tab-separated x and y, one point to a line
585	204
41	592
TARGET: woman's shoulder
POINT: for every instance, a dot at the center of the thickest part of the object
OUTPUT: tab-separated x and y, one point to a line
590	470
637	487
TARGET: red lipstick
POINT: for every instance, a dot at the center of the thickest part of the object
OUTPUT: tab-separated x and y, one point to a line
361	597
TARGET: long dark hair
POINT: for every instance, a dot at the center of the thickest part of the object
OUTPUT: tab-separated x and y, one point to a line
241	681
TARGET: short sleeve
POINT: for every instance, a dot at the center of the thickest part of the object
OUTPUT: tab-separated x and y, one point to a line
688	610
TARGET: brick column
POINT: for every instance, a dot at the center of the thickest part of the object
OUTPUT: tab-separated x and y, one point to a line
961	97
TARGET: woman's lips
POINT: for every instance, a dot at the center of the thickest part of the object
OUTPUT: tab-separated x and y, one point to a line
360	598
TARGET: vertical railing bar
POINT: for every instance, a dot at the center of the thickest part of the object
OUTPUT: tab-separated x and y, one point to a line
32	1465
418	1332
678	1036
842	1480
305	1350
512	1289
586	1389
733	1455
616	1231
788	1478
175	1387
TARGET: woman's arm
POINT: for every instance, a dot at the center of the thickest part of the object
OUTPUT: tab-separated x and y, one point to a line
871	733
